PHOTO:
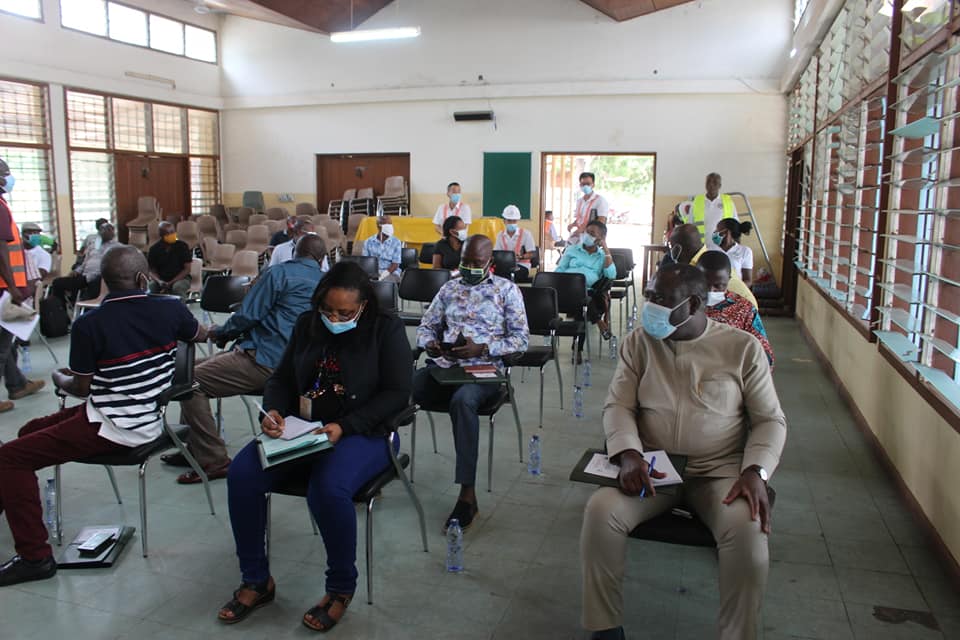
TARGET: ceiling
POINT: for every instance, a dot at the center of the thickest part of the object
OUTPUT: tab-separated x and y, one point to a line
621	10
335	15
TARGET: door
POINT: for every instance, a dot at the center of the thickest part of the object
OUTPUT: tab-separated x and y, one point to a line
338	172
791	221
163	177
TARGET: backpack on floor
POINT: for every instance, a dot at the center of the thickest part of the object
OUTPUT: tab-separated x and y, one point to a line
54	321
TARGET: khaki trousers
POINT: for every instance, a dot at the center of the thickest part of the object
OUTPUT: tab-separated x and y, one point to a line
610	516
229	373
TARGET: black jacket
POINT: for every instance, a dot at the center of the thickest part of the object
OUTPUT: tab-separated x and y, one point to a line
376	368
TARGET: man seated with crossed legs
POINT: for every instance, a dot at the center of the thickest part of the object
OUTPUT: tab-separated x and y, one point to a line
698	388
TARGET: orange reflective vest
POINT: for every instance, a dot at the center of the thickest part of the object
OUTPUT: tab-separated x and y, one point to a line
18	264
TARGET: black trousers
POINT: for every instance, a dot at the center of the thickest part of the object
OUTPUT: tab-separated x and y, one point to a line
75	284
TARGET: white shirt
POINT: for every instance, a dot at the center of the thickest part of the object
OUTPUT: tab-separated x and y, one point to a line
444	211
588	203
741	257
283	252
712	214
41	259
520	242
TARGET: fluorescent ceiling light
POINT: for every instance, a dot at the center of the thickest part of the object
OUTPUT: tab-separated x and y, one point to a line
365	35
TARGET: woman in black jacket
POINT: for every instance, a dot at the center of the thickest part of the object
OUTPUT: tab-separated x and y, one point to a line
349	366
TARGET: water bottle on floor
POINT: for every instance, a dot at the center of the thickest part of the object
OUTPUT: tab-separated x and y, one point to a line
533	459
454	547
631	323
25	366
578	402
547	341
50	498
587	373
613	347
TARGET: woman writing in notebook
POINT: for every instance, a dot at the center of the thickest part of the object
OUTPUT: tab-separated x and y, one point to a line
348	366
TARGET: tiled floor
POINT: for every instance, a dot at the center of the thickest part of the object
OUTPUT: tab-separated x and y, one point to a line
842	543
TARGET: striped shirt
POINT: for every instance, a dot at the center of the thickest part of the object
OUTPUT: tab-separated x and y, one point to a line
129	346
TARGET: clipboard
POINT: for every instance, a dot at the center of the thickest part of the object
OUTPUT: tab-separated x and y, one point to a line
275	451
579	474
462	375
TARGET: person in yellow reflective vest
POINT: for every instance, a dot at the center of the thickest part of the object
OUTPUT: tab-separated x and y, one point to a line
708	209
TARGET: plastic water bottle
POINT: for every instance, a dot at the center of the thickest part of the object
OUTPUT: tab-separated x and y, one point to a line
631	322
587	373
613	347
533	459
50	495
25	365
546	341
578	401
454	547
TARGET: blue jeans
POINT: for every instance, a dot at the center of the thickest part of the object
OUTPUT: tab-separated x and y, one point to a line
334	477
464	401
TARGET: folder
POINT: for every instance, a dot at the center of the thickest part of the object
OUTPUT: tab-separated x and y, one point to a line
667	485
276	451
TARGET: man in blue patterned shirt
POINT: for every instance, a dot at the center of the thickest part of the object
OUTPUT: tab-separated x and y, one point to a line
386	249
484	314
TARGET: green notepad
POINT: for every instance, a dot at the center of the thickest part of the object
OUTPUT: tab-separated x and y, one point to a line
276	451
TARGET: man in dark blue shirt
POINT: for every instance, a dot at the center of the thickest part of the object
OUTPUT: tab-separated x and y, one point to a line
263	325
122	357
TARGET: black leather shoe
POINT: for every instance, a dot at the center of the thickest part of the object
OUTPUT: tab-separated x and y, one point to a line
175	460
17	570
464	512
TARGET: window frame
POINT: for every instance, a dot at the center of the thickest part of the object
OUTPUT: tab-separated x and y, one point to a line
40	19
48	148
147	12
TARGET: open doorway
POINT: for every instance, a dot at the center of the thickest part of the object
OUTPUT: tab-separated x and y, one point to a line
626	180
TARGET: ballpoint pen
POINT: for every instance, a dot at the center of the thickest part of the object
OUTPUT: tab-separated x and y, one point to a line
653	461
270	417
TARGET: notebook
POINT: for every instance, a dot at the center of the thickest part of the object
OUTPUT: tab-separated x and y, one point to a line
276	451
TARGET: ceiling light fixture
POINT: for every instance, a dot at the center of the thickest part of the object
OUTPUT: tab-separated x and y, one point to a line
366	35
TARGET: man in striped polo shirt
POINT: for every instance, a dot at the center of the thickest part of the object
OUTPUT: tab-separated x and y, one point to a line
122	357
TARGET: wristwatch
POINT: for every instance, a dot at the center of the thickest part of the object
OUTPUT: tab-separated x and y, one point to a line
760	471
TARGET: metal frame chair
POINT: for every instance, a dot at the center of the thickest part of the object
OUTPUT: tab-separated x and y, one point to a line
541	308
171	436
420	285
367	495
370	264
572	300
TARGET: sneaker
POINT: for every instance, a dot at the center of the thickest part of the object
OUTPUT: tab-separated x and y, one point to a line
28	389
464	512
5	405
17	570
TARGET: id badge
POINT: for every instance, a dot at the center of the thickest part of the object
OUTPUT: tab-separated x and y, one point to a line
306	408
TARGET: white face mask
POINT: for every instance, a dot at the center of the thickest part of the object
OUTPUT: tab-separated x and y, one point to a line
387	229
715	297
462	235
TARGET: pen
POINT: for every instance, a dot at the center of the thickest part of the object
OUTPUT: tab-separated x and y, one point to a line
653	461
270	417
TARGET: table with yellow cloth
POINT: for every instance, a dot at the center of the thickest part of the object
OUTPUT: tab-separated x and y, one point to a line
414	232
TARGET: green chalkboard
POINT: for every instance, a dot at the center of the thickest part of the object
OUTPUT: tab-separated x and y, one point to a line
506	180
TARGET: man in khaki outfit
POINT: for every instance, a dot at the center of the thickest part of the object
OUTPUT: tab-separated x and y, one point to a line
701	389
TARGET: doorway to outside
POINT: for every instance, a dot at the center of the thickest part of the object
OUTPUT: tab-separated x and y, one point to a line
626	180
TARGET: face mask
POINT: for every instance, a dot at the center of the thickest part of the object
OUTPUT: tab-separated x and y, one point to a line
587	189
675	252
462	235
10	182
146	280
656	320
473	275
336	328
387	229
170	238
512	228
717	238
455	198
588	240
715	297
34	240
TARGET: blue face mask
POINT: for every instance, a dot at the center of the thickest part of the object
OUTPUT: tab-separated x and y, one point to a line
587	189
34	240
512	228
656	319
455	198
336	328
588	240
10	182
717	238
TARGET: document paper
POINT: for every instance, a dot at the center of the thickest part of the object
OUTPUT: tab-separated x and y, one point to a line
600	465
294	427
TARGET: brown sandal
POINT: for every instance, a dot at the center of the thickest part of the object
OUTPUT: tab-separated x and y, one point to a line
320	613
237	610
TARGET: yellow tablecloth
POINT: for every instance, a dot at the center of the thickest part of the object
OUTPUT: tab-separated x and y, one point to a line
414	232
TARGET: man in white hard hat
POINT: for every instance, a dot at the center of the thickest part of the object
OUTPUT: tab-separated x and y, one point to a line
519	241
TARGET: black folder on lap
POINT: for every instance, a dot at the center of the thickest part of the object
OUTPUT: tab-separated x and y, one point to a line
580	475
